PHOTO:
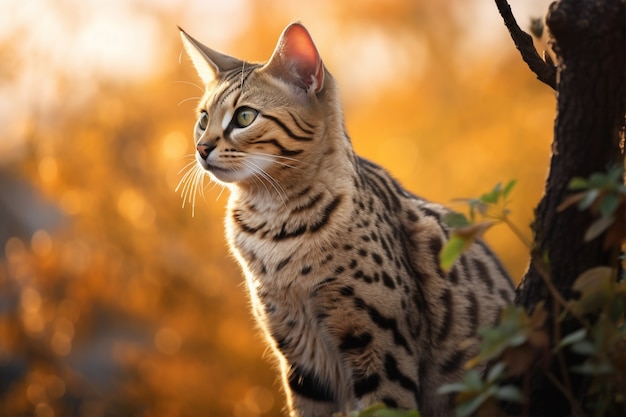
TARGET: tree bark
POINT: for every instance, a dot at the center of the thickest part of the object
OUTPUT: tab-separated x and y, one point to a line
590	43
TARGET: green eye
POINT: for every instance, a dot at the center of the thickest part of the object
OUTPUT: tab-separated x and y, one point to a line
244	116
202	122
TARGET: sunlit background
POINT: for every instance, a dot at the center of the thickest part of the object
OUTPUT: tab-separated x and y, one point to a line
114	300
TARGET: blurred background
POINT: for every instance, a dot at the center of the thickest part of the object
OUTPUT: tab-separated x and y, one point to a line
114	299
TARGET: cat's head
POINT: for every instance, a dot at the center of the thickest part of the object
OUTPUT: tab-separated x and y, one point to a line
261	124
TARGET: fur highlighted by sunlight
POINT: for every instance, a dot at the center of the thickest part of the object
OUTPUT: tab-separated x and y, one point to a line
341	262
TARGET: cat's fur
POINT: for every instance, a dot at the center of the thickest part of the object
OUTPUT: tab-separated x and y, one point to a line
341	262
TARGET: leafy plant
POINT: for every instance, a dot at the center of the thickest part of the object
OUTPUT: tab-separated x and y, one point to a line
518	339
492	208
601	340
604	194
474	392
521	342
380	410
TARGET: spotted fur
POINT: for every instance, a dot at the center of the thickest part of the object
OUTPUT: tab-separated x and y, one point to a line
341	262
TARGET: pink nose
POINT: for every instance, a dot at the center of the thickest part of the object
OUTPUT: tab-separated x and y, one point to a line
204	150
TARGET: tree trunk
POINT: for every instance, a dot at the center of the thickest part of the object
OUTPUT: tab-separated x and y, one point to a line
589	40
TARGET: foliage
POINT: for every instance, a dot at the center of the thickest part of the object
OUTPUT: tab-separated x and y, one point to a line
521	341
518	335
604	194
476	393
380	410
492	207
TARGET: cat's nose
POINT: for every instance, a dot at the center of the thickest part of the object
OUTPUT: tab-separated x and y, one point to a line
204	150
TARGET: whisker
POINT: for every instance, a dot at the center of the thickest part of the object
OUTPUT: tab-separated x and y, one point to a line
256	171
188	185
279	157
189	171
271	158
183	182
190	83
198	181
221	191
187	166
243	68
187	99
280	191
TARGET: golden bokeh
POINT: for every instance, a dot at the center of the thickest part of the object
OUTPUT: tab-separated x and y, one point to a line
114	299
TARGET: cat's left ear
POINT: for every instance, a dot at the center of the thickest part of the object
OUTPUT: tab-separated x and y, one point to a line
296	59
208	63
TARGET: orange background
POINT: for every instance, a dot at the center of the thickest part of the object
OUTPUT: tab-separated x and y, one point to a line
114	300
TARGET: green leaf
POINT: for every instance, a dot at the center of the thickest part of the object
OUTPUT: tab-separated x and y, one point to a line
609	203
591	368
598	180
381	410
453	248
455	220
595	286
390	412
467	408
510	332
588	199
472	380
495	372
450	388
584	347
517	339
595	279
507	188
492	196
509	393
578	184
616	174
573	337
369	411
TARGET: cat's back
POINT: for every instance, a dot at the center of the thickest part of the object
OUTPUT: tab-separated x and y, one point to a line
443	309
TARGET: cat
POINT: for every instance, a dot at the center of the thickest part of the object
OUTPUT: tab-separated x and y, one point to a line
341	262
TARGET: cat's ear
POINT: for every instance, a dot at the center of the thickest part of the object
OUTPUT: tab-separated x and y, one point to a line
296	59
208	63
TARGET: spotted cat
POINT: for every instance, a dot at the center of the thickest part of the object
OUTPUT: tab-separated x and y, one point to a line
341	262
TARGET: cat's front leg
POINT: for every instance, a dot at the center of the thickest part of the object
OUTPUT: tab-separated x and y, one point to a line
379	363
305	407
307	394
387	378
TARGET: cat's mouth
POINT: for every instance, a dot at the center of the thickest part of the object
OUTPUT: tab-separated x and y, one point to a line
224	174
215	168
209	166
250	168
219	173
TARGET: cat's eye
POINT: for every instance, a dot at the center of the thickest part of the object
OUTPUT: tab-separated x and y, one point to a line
203	122
244	116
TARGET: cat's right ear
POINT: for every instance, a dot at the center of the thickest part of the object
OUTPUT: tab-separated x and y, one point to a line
208	63
296	59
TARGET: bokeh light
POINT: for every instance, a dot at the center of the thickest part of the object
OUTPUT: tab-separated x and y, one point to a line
114	299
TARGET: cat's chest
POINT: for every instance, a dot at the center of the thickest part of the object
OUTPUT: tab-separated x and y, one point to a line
298	240
284	266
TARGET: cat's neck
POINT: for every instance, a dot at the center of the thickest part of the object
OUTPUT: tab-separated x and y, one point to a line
333	173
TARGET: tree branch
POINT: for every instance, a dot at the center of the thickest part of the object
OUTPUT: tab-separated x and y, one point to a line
545	72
